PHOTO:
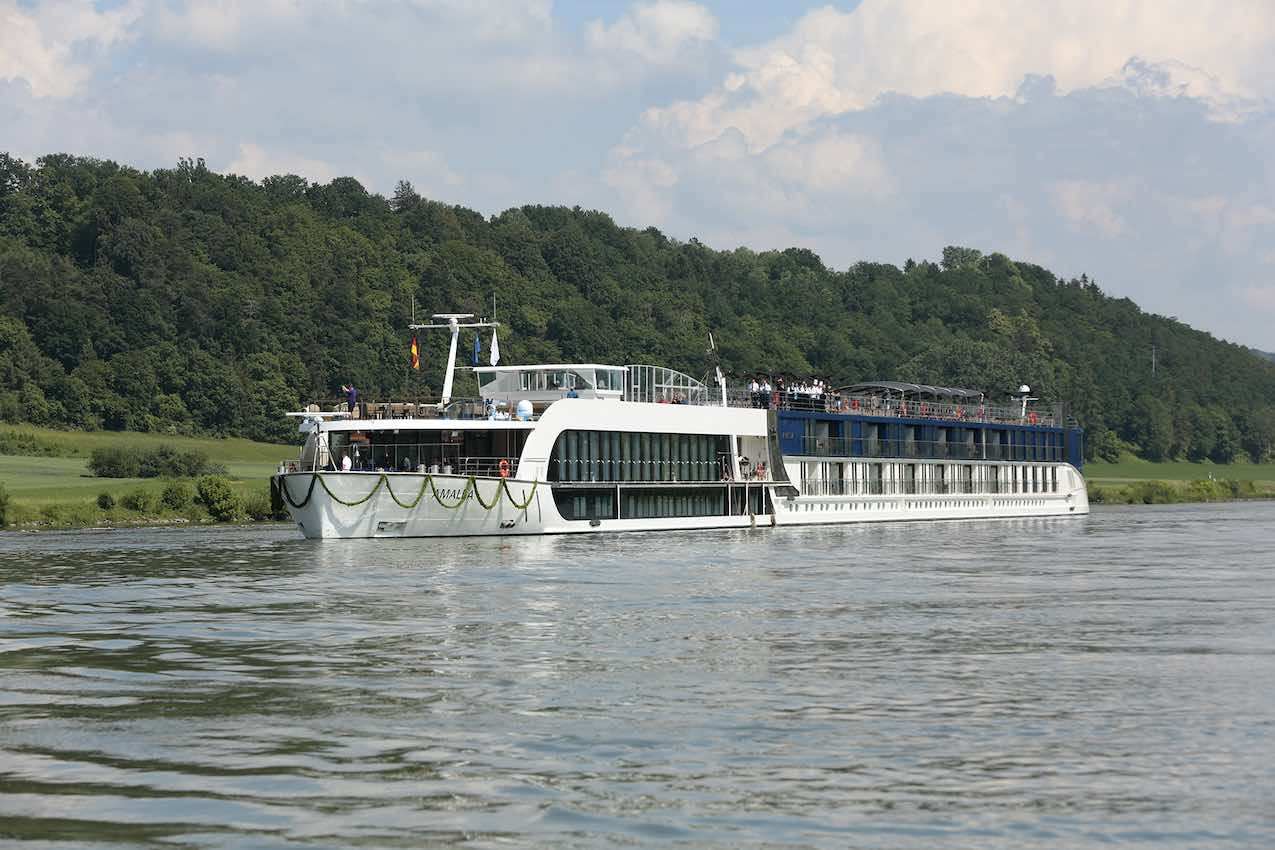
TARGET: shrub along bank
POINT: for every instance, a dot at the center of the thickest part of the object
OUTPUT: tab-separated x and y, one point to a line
158	462
1174	492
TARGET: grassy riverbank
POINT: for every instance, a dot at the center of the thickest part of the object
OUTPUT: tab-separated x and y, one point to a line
51	485
1133	481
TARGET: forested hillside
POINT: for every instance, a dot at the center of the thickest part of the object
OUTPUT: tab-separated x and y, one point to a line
187	301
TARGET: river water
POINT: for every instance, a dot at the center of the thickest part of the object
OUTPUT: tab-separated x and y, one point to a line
1057	683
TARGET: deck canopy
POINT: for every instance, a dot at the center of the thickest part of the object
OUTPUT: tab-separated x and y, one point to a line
906	389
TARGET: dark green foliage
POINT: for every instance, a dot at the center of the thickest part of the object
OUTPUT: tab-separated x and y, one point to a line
215	494
181	300
105	501
115	462
1153	493
162	461
140	500
4	506
1166	493
176	496
257	505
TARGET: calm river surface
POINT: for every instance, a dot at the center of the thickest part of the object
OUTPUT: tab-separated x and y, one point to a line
1065	683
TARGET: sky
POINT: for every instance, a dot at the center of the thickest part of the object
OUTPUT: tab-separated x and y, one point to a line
1130	140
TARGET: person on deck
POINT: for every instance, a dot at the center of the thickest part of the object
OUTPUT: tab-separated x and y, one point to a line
351	398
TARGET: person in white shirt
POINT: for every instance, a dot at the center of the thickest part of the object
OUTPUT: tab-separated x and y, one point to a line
346	463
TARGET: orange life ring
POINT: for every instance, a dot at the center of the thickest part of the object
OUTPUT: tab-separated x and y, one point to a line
504	468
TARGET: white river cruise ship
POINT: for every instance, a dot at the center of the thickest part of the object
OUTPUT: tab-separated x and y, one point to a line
587	447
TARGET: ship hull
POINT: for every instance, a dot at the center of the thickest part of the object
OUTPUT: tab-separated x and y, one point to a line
370	505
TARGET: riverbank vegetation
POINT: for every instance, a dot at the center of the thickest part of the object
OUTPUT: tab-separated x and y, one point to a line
184	302
1159	492
162	461
54	487
1134	481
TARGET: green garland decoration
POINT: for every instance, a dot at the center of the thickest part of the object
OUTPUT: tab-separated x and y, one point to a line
420	494
470	490
283	485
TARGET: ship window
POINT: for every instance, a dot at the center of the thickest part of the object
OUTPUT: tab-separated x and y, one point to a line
627	456
576	504
611	379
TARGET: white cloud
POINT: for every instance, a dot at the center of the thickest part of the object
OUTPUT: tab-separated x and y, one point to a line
1259	298
256	162
1088	204
832	62
218	24
38	45
658	33
233	25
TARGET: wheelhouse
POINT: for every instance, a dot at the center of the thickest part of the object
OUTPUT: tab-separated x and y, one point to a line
546	383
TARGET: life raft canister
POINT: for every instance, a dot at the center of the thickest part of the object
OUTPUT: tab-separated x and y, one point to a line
504	468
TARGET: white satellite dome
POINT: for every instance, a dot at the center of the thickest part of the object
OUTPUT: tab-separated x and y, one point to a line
523	410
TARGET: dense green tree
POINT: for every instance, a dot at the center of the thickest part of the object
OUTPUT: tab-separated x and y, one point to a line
182	300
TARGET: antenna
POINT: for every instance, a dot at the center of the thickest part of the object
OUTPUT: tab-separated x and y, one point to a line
453	322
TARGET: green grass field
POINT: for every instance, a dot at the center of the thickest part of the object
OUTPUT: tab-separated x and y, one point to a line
38	481
231	450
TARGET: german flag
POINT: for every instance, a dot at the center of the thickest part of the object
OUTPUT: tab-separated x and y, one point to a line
416	354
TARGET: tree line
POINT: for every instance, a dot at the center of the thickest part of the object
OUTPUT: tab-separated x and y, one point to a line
185	301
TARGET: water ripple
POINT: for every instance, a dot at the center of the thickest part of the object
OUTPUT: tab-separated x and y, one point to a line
1014	684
